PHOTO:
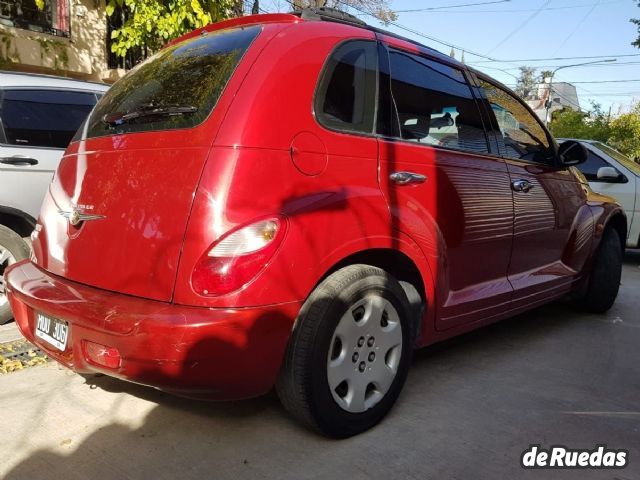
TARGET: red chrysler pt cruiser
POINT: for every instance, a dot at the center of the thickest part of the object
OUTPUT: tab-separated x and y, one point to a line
299	201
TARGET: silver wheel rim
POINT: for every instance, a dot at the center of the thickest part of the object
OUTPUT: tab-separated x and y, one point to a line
6	259
364	354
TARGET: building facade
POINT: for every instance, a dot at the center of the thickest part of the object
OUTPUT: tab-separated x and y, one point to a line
68	38
560	95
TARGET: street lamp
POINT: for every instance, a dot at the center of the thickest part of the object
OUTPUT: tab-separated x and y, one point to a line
549	80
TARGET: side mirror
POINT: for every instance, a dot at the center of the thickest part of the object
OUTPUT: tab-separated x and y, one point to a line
571	153
610	174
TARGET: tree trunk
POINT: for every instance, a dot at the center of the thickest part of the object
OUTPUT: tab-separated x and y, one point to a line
238	8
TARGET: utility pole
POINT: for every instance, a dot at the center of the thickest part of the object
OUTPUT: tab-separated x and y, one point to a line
549	80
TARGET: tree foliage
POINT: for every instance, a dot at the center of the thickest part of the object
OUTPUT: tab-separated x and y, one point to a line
377	8
151	23
625	133
527	82
593	125
636	21
622	132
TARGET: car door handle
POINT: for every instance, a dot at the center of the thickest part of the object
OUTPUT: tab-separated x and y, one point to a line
19	161
521	186
407	178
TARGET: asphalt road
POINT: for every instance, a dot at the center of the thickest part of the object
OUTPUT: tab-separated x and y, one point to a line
470	408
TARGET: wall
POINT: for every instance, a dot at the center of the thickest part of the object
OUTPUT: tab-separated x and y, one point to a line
82	56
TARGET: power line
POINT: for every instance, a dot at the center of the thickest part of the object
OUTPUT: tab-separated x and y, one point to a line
599	81
521	26
577	27
429	9
567	7
591	57
415	32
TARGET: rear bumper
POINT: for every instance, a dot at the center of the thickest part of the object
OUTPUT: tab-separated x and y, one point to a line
190	351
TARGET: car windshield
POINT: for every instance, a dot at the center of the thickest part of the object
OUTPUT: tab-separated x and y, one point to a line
177	87
624	160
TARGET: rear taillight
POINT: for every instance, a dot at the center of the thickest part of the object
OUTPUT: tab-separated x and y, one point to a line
237	257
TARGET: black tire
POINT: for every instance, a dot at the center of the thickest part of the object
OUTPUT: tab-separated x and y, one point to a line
303	385
19	250
606	273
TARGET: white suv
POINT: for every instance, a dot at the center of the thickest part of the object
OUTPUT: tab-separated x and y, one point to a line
39	115
611	173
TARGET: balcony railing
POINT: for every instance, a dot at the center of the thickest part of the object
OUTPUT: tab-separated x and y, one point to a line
54	19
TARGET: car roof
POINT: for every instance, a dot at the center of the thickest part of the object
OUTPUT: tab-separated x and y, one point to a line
15	79
326	14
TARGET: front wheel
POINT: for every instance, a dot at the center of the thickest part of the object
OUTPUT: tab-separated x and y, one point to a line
12	249
349	353
604	281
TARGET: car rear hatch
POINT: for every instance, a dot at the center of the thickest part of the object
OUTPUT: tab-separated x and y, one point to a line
117	210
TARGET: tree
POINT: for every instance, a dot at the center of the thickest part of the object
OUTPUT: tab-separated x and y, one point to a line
625	133
622	133
636	21
151	23
377	8
527	83
593	125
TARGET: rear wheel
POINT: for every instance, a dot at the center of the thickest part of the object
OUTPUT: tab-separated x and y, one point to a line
604	281
12	249
349	353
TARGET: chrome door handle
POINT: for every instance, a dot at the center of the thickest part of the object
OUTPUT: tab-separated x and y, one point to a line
18	161
521	186
407	178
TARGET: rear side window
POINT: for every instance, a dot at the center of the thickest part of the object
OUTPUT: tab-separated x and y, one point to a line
345	99
521	135
178	87
43	118
435	105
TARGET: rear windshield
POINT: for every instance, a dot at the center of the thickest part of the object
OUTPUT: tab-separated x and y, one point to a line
176	88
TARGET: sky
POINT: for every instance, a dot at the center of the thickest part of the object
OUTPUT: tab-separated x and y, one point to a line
518	32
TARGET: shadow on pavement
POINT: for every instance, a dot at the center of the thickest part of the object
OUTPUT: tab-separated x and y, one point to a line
471	406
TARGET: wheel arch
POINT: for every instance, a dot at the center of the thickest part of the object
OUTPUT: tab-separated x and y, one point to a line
403	269
20	222
618	221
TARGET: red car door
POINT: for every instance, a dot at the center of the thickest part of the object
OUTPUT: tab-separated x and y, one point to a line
443	187
553	224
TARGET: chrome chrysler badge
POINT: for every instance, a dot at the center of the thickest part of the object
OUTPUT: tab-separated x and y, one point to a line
76	216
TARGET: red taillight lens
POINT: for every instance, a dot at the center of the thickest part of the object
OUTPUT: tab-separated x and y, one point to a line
237	257
101	355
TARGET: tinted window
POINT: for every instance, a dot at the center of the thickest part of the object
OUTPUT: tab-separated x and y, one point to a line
184	81
43	118
434	104
346	95
521	135
590	168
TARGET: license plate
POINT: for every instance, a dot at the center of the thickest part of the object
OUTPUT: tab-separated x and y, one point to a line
53	331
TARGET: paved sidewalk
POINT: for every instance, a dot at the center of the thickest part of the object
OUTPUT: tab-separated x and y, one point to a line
9	333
